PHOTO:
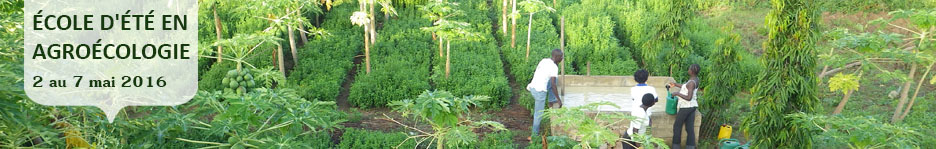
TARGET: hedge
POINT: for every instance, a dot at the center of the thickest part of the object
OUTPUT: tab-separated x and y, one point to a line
325	61
476	67
399	63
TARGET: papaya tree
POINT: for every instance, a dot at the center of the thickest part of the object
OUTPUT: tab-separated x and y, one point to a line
532	7
789	83
449	116
513	23
452	30
846	83
920	44
362	18
239	48
439	11
870	50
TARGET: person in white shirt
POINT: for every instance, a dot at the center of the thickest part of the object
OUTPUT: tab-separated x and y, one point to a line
687	104
642	88
543	86
642	122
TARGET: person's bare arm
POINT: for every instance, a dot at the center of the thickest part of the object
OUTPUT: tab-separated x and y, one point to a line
691	87
555	89
675	85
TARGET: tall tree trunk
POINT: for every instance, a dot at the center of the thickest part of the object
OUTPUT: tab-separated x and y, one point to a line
218	29
504	16
366	52
915	93
440	47
529	29
373	24
279	59
513	27
302	30
292	45
841	105
448	54
903	94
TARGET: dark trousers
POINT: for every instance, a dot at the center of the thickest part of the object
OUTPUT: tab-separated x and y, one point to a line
685	117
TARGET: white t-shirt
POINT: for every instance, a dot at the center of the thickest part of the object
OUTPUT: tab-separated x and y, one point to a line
637	93
544	70
642	122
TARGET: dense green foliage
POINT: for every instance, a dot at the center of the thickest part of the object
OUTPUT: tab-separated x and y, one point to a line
400	63
553	142
721	84
591	39
594	131
657	32
476	66
790	86
860	132
357	138
449	117
498	140
325	61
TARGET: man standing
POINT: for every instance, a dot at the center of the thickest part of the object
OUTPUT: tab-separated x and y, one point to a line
543	86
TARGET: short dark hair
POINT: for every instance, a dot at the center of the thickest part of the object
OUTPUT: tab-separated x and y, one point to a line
648	100
641	76
557	52
694	68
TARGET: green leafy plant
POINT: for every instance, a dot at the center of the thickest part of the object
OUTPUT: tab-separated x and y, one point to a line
723	79
533	7
596	130
845	83
358	138
592	47
403	49
858	132
448	115
789	84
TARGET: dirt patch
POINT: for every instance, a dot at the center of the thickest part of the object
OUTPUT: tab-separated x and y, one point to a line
342	99
852	20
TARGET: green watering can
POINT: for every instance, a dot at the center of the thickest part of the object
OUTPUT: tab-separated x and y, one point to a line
732	144
670	102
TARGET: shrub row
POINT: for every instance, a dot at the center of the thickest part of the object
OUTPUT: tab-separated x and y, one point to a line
399	63
591	39
358	138
325	61
476	67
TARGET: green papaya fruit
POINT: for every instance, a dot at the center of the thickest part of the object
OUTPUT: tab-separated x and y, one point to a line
231	73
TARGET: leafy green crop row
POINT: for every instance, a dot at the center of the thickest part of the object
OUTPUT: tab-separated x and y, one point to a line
590	30
400	63
358	138
476	65
325	61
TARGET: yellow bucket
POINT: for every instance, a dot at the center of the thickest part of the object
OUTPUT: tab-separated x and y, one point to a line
724	132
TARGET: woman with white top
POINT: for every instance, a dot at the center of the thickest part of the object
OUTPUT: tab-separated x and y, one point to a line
685	117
